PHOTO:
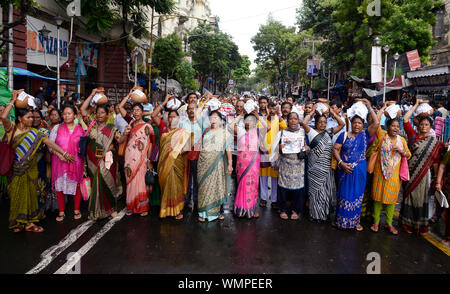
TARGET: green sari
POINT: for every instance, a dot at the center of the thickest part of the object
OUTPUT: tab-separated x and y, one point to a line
214	183
23	189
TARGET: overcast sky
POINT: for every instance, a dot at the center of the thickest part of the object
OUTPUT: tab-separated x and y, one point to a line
242	18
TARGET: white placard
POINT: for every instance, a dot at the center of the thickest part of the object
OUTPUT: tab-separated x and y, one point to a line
294	142
139	93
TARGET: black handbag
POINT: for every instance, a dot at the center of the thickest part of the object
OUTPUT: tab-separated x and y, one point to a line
83	141
149	178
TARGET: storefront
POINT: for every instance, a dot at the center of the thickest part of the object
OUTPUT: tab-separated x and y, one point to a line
433	81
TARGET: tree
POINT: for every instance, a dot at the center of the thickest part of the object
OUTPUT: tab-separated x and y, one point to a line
241	73
278	49
133	16
167	55
185	75
214	55
24	6
350	31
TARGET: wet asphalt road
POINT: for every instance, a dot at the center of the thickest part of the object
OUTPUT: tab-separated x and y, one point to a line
149	245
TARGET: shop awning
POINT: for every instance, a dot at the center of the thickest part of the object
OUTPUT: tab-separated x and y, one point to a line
429	71
23	72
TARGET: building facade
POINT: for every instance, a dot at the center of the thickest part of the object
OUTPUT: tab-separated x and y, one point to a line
440	54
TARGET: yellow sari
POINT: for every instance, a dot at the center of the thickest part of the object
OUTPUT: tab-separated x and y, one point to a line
173	172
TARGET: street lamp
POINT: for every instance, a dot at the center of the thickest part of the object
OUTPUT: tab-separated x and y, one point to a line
396	56
59	21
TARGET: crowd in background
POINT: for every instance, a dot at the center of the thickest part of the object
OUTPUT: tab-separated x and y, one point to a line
316	159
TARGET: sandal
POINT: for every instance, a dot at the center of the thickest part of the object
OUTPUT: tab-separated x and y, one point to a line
374	228
129	212
179	216
34	229
144	214
294	216
77	215
434	219
18	230
391	229
359	228
263	203
221	217
60	218
283	215
202	220
256	215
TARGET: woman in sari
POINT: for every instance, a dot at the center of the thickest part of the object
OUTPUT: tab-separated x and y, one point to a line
320	175
352	173
386	182
159	128
102	162
67	177
425	151
215	166
44	183
248	164
137	162
172	169
22	188
443	184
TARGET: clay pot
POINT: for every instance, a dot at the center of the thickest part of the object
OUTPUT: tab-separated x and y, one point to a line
138	95
22	103
103	99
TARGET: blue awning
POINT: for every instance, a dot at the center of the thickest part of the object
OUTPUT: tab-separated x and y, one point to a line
23	72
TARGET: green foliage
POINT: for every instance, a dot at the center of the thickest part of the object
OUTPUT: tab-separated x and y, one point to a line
167	54
185	75
243	71
214	54
350	31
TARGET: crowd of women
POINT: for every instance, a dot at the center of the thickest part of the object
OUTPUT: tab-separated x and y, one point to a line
190	154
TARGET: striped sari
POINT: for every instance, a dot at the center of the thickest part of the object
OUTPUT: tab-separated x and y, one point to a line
106	186
172	172
414	209
213	186
320	176
22	189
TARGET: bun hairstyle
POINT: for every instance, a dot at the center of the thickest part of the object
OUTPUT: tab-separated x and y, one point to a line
105	107
69	105
21	112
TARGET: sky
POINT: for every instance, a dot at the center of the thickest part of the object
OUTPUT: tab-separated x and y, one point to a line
241	18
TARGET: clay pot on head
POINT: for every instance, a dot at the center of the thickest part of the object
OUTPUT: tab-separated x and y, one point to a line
21	103
103	99
138	95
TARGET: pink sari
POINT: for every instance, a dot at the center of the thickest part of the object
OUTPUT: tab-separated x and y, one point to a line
70	143
247	168
139	142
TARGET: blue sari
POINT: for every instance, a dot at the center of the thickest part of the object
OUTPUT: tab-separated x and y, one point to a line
351	186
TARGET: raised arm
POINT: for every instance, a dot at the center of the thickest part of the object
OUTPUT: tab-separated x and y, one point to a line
158	109
341	123
375	122
86	103
232	127
4	116
122	109
411	111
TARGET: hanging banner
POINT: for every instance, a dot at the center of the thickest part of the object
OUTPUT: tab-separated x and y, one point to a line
88	52
376	71
37	45
313	67
413	60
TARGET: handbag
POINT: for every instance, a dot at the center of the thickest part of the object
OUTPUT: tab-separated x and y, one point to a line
7	152
83	141
373	158
149	178
85	185
333	159
122	147
404	170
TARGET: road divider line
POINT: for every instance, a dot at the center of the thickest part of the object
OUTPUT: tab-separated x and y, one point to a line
75	259
51	253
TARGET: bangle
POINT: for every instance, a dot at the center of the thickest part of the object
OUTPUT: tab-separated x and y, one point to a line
339	162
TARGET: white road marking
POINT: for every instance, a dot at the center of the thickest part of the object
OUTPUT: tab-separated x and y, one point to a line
51	253
65	268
